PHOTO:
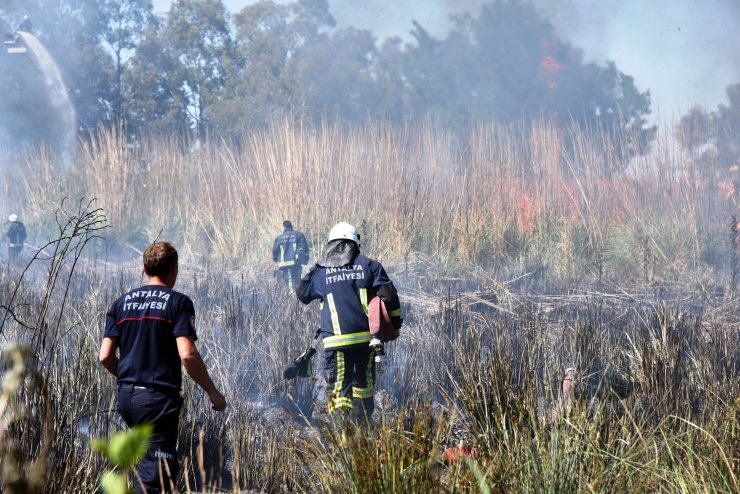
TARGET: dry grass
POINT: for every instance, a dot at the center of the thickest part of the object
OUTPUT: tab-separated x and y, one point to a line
536	197
517	251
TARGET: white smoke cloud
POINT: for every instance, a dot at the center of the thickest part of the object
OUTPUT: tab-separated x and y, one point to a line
684	51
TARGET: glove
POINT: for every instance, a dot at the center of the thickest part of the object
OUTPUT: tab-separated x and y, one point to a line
397	322
301	366
291	371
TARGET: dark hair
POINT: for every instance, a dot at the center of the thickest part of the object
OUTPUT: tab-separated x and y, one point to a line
287	224
159	258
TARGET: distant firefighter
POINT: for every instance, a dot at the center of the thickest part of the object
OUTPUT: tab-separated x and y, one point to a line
16	235
25	25
290	251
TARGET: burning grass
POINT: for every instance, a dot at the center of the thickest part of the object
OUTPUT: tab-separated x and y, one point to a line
512	199
515	258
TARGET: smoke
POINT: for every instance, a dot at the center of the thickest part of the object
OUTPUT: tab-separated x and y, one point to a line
56	92
683	51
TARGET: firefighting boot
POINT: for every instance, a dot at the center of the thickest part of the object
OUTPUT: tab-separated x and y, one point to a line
339	422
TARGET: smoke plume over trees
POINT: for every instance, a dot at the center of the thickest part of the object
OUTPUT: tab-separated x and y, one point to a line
204	70
712	135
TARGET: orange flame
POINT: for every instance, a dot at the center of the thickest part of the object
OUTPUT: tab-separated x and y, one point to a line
550	67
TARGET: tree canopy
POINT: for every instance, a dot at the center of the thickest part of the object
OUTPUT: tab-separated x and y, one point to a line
711	136
201	69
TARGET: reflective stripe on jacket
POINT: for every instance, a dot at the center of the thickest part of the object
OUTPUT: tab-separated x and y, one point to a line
344	292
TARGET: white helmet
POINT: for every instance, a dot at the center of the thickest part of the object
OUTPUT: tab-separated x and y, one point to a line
13	217
344	231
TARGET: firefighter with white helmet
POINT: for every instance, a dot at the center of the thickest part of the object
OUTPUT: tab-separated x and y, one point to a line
346	281
344	231
25	25
16	235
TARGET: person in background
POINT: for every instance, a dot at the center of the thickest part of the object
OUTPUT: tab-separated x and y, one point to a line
16	235
345	281
25	25
152	328
290	251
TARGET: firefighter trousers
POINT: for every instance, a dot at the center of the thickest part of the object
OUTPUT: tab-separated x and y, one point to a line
291	275
350	375
140	405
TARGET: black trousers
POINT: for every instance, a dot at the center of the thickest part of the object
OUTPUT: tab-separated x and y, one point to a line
14	253
137	406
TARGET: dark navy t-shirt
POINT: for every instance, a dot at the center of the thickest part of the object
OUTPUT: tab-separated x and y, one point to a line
146	321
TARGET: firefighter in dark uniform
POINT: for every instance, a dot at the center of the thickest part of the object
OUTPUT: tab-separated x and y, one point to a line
16	237
345	281
153	330
25	25
290	251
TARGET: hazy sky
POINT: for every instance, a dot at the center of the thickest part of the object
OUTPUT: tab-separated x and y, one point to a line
685	52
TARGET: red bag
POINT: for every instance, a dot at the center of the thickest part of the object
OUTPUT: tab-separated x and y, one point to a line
380	321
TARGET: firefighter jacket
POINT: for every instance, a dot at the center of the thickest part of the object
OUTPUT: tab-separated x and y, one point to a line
16	234
290	248
344	292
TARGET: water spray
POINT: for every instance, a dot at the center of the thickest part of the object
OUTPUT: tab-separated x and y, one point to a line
56	90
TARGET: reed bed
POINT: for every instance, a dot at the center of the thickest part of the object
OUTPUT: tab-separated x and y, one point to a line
517	251
508	197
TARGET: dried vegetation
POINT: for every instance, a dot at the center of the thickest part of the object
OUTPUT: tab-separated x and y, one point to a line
518	252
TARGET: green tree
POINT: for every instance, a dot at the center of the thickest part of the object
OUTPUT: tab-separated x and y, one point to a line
508	64
27	116
157	99
391	96
442	77
727	122
712	136
269	37
70	30
332	76
199	36
123	30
